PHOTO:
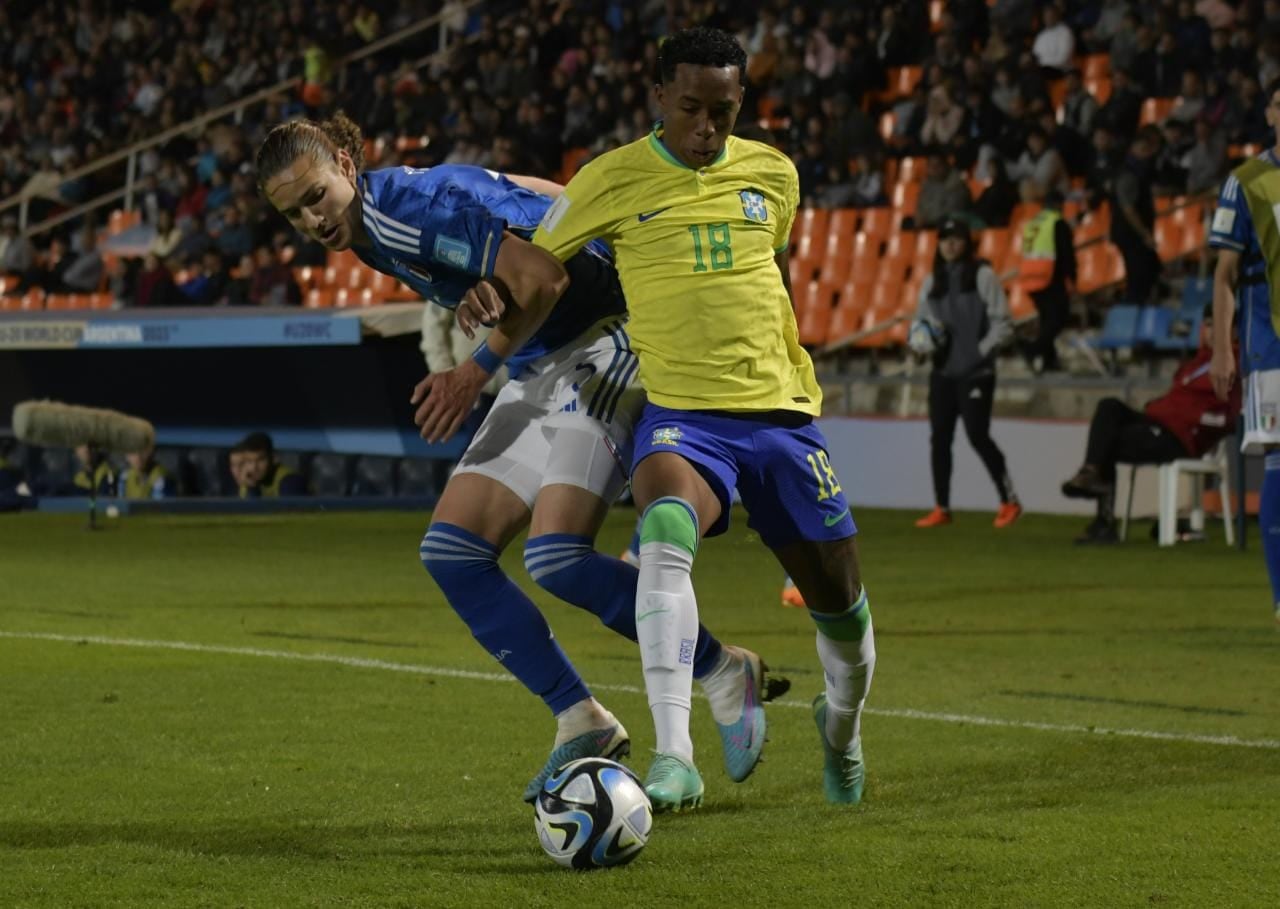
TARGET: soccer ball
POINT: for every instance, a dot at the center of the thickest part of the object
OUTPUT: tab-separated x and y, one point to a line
927	336
592	813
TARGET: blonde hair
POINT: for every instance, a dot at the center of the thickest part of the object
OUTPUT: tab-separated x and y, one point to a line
289	141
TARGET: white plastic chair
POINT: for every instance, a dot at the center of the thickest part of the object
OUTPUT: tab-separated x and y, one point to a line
1214	463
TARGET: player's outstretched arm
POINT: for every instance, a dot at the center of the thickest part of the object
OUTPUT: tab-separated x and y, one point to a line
529	281
1222	367
537	185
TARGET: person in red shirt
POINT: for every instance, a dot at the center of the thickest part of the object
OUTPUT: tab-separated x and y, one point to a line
1187	421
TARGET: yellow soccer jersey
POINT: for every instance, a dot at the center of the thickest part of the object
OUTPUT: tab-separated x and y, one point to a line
710	316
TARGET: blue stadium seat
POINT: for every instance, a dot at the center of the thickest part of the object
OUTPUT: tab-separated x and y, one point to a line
417	477
330	474
1196	292
1154	323
1119	329
374	476
55	471
209	472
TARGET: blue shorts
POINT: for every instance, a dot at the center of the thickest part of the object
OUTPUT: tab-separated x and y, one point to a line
782	472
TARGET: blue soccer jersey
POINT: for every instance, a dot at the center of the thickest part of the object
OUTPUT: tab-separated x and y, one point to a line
438	230
1233	229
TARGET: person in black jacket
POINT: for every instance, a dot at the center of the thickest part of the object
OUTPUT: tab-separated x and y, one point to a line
961	320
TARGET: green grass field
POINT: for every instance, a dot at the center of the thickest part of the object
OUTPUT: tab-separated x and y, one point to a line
281	711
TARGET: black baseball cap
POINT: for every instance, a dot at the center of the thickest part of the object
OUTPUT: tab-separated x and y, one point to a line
952	226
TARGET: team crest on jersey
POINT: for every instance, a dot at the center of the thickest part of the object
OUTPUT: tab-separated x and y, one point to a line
453	252
753	205
667	435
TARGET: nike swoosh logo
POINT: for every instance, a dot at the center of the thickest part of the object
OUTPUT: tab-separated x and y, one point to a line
653	214
833	520
645	615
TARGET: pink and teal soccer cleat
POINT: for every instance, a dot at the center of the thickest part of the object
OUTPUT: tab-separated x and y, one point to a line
611	742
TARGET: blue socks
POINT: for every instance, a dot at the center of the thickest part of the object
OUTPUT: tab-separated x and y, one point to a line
567	566
501	617
1269	521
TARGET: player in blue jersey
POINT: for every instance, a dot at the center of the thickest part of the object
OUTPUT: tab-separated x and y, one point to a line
551	453
1244	231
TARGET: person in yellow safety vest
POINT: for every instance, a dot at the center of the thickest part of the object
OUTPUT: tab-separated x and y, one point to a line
143	478
257	472
1048	273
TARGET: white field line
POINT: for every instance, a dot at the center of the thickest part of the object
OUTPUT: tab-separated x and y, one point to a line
443	672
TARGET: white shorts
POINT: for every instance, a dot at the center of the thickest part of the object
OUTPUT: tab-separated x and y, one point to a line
1261	410
569	419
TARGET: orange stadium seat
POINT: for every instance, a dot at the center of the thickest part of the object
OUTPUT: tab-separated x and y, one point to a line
305	276
1168	239
369	297
1099	87
808	234
866	258
883	305
344	260
813	312
801	272
383	285
1095	225
886	125
911	170
1020	303
1155	110
319	298
993	245
344	297
851	305
837	255
936	8
571	161
877	223
8	283
102	300
59	301
33	299
926	246
10	303
1096	66
904	197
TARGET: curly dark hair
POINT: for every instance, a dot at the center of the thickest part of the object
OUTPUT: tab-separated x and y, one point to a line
700	46
288	141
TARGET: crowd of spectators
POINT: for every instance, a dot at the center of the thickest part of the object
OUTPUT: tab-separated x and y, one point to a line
526	84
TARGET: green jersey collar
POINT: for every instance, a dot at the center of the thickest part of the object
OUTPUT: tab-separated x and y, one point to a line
656	143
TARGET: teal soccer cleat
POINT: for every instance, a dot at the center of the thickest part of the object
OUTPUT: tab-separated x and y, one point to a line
743	740
611	742
672	784
843	775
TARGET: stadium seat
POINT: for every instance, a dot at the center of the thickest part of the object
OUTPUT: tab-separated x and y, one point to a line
1155	110
344	297
1216	463
1168	239
809	232
813	311
175	466
838	251
418	477
936	9
102	300
884	305
210	473
993	245
330	474
306	277
886	124
33	299
1099	87
1021	306
911	170
319	298
1095	225
1196	293
9	283
851	305
1096	66
1154	323
1119	329
54	472
375	475
877	223
10	303
904	198
570	161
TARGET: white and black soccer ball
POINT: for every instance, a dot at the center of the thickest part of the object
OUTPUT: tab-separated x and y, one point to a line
592	813
927	336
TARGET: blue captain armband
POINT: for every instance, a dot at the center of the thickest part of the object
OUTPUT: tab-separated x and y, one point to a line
489	361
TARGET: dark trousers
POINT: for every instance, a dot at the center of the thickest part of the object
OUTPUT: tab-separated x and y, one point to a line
1120	433
969	400
1054	306
1141	270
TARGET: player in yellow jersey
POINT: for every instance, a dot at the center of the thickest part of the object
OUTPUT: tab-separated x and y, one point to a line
699	222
